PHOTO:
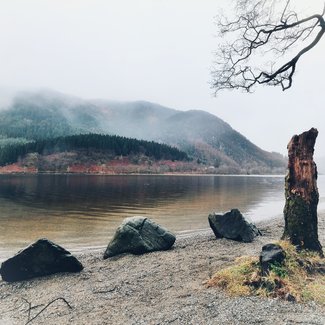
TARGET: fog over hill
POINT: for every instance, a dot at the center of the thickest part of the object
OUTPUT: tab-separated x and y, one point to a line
205	137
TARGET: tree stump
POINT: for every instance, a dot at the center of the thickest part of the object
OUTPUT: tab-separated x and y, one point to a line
301	193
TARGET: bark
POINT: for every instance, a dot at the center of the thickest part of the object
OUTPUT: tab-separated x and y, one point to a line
300	211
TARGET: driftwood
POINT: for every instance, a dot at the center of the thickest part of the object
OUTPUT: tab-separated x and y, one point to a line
301	193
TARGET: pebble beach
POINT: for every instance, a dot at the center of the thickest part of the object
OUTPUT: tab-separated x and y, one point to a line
155	288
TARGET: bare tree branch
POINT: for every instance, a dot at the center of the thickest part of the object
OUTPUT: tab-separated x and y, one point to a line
29	319
254	35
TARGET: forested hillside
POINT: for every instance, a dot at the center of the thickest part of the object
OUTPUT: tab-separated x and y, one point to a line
107	144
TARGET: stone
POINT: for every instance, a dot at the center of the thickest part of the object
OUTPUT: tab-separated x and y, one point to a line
272	254
139	235
232	225
290	297
39	259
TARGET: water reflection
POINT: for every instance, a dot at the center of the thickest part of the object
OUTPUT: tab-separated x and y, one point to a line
78	211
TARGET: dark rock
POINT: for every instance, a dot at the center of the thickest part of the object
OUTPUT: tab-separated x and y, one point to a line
272	254
138	235
290	297
232	225
39	259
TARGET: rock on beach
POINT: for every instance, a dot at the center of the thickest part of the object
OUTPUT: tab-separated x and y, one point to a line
39	259
271	254
232	225
139	235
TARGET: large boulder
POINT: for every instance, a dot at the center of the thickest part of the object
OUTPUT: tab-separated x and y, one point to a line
39	259
232	225
272	254
139	235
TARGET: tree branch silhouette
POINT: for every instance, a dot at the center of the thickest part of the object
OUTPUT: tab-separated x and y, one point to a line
258	31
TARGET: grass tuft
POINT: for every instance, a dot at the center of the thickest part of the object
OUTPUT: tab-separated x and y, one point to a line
301	278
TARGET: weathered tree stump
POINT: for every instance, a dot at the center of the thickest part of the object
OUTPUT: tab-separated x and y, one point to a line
301	193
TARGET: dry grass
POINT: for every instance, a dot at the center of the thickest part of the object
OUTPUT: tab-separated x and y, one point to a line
301	278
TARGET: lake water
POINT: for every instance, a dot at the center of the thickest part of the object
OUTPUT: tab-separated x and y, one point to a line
79	211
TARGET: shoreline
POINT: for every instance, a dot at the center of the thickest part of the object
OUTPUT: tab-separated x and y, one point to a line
149	173
180	235
157	288
183	234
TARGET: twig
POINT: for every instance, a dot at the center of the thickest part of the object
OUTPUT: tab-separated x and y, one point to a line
106	290
29	308
50	303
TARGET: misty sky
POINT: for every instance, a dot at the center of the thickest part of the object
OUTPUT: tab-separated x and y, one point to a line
154	50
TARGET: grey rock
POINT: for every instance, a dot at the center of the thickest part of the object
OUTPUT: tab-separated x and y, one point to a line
139	235
272	254
289	297
232	225
39	259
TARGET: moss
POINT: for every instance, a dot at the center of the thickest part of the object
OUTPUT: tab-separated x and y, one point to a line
301	222
298	277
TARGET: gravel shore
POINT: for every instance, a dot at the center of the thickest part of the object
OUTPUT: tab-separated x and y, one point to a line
156	288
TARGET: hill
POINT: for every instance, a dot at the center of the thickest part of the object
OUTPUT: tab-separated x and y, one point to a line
203	136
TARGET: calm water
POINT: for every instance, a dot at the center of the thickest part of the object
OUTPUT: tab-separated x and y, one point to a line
84	211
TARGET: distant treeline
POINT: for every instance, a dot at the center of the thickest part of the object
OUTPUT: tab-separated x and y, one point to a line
114	144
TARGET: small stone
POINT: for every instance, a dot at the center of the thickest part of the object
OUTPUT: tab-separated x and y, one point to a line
271	254
289	297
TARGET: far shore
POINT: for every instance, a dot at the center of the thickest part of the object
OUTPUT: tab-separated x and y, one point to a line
129	169
139	174
156	288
